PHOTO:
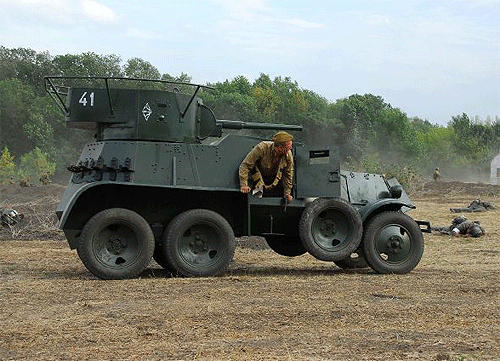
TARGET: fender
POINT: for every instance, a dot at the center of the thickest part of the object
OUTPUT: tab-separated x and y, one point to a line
70	197
389	204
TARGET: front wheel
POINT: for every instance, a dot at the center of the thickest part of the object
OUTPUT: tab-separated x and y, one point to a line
393	243
116	243
199	242
330	229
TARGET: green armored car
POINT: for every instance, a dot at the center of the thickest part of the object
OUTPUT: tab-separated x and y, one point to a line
161	181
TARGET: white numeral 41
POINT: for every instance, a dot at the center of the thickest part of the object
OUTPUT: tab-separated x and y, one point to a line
83	99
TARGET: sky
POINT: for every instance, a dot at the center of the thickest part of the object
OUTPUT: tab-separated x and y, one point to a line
431	59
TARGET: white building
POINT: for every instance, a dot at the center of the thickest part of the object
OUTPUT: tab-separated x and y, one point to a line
495	170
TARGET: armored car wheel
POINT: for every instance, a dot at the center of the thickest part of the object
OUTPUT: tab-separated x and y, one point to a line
330	229
116	243
355	260
286	246
199	242
393	243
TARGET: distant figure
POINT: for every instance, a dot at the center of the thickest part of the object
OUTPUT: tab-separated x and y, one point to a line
436	174
45	180
25	182
476	205
460	226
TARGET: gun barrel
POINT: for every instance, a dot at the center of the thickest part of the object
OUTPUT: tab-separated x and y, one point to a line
236	124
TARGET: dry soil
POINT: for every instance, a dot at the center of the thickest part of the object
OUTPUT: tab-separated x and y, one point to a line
266	307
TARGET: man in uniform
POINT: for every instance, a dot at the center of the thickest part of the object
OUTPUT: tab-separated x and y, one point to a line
462	226
436	174
270	166
476	205
45	179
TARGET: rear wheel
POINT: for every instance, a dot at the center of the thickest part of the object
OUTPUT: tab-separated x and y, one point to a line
286	246
116	243
393	243
330	229
199	242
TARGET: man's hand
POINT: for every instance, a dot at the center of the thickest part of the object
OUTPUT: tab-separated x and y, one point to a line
245	189
288	197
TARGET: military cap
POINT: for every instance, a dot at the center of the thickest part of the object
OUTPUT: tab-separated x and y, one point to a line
282	137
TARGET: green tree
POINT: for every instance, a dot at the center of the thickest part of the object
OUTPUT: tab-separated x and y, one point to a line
291	104
138	68
182	78
438	149
239	85
471	138
16	101
359	115
267	103
232	100
87	65
26	65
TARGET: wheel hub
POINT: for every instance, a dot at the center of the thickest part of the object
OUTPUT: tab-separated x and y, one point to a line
395	244
327	228
115	244
198	245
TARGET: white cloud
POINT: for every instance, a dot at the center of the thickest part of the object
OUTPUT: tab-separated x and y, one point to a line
299	23
259	13
98	11
38	13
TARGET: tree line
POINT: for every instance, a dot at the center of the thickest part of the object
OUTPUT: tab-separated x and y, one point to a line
371	134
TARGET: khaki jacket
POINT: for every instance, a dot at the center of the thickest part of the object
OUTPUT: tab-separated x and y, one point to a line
261	158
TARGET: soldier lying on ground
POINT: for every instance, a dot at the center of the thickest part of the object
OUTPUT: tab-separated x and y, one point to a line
476	205
9	217
461	226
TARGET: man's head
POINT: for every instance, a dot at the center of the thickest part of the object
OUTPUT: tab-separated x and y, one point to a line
282	142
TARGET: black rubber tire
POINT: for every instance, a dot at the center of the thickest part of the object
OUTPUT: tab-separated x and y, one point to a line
330	229
286	246
160	257
356	260
199	242
393	243
116	243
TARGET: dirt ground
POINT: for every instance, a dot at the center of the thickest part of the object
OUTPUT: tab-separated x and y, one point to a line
266	307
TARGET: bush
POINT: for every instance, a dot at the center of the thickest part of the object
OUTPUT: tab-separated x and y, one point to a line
7	165
34	167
